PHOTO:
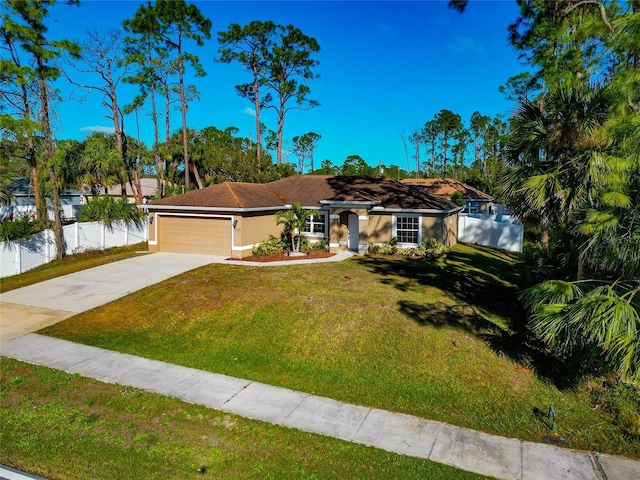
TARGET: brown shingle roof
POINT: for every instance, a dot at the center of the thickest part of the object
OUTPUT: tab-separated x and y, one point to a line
310	191
446	187
226	195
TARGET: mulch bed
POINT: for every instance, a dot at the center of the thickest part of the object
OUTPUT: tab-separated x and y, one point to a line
277	257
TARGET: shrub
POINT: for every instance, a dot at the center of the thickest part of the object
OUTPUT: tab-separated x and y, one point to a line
431	249
19	228
435	249
271	246
321	246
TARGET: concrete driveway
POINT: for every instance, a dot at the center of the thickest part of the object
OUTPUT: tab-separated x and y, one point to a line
31	308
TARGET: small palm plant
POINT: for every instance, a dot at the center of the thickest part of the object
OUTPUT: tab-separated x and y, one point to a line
294	221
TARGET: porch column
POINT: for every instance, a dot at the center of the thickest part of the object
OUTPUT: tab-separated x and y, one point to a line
334	233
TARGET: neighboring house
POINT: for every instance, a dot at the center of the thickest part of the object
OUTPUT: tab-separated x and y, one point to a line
475	200
148	185
24	202
350	212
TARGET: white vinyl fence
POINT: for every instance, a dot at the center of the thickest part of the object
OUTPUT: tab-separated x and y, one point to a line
22	255
497	231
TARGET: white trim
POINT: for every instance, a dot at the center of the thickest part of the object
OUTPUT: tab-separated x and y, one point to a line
334	245
334	217
243	248
342	243
363	247
394	232
415	210
325	224
363	217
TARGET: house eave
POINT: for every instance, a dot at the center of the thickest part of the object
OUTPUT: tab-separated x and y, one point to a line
416	210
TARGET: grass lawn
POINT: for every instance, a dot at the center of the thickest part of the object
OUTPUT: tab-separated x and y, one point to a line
438	340
70	264
63	426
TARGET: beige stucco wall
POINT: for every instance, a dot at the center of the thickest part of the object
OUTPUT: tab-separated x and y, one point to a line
254	228
432	227
450	224
380	228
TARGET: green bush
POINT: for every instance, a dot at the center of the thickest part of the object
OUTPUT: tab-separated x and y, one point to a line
321	246
430	249
271	246
19	228
434	249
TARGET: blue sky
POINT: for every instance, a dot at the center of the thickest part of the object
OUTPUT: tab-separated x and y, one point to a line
384	67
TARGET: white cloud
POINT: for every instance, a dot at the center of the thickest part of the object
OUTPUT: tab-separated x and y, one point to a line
249	111
465	44
98	128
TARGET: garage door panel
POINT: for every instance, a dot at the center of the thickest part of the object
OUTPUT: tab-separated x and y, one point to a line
194	235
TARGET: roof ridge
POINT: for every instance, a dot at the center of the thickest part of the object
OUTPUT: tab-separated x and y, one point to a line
233	194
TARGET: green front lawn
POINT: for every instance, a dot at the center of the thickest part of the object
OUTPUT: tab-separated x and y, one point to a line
438	340
63	426
70	264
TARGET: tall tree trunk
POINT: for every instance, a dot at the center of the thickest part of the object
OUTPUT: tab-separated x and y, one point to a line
167	130
256	105
280	130
544	236
156	145
183	108
32	160
196	175
48	155
444	158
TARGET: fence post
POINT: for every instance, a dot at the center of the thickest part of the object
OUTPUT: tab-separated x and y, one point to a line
47	242
126	234
102	234
77	236
18	248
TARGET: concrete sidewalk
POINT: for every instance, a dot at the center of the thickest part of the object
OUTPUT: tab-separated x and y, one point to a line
500	457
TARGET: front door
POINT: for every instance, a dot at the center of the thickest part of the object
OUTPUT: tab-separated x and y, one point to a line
354	231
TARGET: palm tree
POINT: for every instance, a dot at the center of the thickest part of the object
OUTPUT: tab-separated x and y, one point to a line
574	167
294	221
558	155
597	322
100	164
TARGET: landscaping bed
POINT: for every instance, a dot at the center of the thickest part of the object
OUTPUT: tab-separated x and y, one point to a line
279	257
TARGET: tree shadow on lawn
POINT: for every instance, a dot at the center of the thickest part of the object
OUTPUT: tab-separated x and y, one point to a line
484	287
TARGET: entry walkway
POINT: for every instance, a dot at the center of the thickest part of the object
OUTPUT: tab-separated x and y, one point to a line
500	457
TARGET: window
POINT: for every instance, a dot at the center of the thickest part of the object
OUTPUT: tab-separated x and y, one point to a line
407	229
472	207
316	224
